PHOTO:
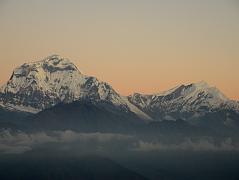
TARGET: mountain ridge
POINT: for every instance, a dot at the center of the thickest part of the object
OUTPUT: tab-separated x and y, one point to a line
40	85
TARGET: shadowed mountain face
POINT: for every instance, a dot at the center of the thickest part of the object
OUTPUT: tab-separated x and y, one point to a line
13	119
86	116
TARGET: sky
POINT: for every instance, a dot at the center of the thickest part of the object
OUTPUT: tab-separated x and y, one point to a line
144	46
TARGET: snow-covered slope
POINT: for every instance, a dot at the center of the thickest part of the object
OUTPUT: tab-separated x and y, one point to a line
193	98
136	110
39	85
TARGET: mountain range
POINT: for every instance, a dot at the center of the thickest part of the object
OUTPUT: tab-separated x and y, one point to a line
54	85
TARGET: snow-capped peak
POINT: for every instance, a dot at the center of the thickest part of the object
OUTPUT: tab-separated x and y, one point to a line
42	84
49	75
183	98
185	88
54	79
202	88
50	64
195	90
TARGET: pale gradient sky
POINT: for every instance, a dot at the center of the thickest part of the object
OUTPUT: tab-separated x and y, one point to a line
136	45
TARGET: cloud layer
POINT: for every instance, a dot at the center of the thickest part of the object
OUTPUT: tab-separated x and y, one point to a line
20	142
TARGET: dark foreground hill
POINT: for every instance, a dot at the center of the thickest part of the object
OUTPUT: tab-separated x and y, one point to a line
59	168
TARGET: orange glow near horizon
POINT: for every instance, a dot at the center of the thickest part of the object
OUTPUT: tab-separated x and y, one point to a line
136	46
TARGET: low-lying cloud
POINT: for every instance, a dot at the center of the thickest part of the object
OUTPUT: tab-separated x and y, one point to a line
188	144
20	142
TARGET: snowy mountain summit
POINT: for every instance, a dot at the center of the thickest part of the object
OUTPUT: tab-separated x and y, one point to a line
39	85
184	99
